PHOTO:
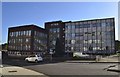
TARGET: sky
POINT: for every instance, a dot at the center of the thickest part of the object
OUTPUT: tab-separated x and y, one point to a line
20	13
119	20
0	23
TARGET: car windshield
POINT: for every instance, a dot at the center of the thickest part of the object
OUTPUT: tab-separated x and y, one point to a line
32	56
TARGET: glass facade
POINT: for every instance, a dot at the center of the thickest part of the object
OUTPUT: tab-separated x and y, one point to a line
96	36
40	41
54	33
89	36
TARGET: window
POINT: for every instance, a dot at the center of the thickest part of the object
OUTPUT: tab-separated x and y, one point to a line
85	49
29	47
69	27
9	41
54	24
90	48
90	41
73	34
13	40
93	33
11	34
73	27
16	34
94	48
29	32
99	33
72	41
26	47
59	36
19	33
19	40
24	33
84	26
27	40
85	41
66	26
58	30
54	30
54	42
78	34
103	24
35	33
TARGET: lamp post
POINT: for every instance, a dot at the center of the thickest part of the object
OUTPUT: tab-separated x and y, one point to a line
51	53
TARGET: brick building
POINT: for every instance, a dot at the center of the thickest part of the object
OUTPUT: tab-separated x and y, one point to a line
26	39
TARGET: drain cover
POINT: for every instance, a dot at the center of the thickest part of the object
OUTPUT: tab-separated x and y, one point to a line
12	71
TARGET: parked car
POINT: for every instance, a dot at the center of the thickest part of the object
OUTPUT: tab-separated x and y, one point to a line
34	58
79	55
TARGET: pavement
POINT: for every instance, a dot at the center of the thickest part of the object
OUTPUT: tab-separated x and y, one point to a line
114	68
15	70
80	61
110	59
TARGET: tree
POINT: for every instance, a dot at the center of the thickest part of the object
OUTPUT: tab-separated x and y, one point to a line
107	47
90	48
117	45
59	52
4	46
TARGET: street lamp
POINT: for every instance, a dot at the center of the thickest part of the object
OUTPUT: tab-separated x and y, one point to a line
51	53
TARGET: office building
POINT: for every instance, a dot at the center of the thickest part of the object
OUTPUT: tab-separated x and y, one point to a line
95	36
27	39
55	30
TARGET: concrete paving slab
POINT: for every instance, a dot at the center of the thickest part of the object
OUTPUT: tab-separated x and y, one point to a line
15	70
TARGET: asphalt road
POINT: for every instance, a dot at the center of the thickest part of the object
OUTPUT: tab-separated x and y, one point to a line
64	69
73	69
